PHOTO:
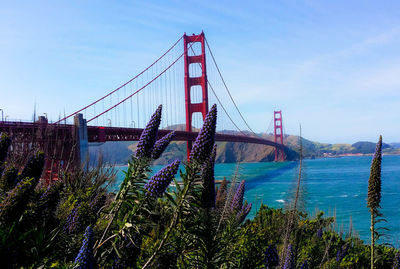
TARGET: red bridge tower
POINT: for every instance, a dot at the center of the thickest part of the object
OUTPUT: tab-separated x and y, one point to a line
194	81
278	136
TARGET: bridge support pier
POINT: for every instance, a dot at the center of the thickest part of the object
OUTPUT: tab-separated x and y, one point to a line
194	81
82	138
278	136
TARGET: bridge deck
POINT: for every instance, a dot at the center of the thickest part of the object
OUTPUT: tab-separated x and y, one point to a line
104	134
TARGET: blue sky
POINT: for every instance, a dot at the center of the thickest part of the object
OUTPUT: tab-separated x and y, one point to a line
333	66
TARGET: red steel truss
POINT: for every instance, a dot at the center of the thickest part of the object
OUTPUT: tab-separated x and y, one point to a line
278	136
194	81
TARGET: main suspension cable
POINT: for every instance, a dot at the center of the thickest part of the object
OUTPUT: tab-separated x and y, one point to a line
226	87
98	100
151	81
219	101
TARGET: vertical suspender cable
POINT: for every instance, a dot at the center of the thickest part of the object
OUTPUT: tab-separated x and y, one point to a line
226	87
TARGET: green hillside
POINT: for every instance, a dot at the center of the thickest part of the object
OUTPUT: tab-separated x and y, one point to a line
228	152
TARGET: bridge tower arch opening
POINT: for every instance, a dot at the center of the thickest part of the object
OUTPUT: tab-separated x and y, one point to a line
278	136
194	81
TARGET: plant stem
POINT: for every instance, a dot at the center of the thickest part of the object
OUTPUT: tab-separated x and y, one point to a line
126	184
228	198
299	174
115	209
171	226
372	239
292	211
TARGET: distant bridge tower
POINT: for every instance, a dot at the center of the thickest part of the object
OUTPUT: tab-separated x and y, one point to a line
278	136
194	81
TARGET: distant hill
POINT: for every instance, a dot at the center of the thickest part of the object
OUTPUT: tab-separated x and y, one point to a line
228	152
315	149
395	145
367	147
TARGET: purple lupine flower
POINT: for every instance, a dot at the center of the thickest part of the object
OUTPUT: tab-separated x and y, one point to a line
161	145
237	201
33	168
304	265
118	263
342	252
84	260
46	192
289	259
49	199
396	262
97	202
271	257
207	175
319	233
51	191
72	222
15	202
242	214
5	143
157	184
221	194
204	142
149	135
9	178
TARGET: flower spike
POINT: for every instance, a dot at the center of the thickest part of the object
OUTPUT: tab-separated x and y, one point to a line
149	135
207	174
84	260
242	214
271	257
237	202
289	260
161	145
157	184
204	142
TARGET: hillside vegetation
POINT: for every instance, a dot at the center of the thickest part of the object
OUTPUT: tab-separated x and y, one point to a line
228	152
76	222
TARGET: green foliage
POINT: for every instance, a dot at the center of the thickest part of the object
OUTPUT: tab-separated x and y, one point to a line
190	225
33	168
5	143
33	216
8	179
15	202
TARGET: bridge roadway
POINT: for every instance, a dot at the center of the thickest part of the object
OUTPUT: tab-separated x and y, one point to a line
104	134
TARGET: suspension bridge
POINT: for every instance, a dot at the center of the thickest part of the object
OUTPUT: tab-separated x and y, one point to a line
188	67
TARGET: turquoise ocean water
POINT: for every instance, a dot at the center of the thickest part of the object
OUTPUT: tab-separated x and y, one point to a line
337	186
